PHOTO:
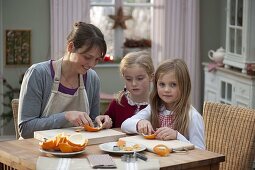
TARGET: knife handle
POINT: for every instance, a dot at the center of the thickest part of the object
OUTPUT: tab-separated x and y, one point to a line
140	156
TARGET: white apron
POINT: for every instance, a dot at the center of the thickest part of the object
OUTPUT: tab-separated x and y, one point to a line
59	102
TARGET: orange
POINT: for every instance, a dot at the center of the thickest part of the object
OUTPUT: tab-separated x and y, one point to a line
162	150
77	140
58	140
74	143
65	147
48	144
77	149
121	143
152	136
92	129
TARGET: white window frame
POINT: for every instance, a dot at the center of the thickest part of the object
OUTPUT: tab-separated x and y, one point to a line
118	32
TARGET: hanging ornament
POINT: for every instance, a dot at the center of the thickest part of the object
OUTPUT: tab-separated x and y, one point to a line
119	19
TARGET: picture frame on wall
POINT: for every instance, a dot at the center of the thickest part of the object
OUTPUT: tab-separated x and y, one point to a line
17	47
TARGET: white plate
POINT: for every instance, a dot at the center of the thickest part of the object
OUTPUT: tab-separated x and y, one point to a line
108	147
59	153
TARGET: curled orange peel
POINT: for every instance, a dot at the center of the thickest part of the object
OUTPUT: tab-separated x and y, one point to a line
152	136
162	150
92	129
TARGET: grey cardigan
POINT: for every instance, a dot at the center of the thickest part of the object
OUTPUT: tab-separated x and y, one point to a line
35	92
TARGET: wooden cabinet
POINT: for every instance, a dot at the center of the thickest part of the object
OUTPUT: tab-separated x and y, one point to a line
240	34
229	86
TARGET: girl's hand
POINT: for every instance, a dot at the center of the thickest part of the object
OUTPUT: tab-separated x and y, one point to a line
78	118
145	127
166	133
104	120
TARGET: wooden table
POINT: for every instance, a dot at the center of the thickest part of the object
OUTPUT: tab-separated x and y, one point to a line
23	154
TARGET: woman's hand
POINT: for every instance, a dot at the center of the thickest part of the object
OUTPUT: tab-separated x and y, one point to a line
104	120
78	118
166	133
145	127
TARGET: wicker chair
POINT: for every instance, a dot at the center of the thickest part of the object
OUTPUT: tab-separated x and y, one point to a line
15	106
230	130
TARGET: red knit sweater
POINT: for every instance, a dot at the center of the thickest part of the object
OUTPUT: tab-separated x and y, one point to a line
119	113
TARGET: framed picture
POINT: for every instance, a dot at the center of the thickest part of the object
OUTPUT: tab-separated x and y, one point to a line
18	47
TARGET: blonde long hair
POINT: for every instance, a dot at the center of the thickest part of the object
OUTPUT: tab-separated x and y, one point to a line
182	106
140	58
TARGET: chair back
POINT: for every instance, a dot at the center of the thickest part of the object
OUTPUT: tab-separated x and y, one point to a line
230	130
15	106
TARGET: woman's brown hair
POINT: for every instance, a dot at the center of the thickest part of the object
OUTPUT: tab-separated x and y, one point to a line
84	34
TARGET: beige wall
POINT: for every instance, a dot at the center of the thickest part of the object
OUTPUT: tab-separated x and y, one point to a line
111	82
35	15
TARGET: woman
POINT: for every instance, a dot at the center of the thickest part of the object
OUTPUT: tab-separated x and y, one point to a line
65	92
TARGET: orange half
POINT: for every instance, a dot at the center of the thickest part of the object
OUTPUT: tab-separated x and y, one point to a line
162	150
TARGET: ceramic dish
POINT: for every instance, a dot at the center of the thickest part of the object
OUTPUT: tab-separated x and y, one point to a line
108	147
58	153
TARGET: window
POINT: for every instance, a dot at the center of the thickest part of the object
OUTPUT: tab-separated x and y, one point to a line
137	19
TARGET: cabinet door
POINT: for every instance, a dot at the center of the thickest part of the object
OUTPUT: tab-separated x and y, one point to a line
240	35
235	27
242	93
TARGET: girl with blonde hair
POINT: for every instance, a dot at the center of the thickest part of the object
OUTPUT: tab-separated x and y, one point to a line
137	70
170	114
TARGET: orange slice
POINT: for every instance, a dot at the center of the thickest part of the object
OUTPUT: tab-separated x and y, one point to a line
92	129
152	136
162	150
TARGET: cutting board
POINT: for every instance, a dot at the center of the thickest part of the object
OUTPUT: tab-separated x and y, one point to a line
150	144
102	136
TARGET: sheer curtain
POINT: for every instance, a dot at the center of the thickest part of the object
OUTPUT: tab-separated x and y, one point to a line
175	34
64	13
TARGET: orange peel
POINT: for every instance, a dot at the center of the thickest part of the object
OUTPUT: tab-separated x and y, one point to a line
66	144
48	144
152	136
162	150
77	140
92	129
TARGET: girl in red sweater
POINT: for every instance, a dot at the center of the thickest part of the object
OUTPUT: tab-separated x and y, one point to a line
137	70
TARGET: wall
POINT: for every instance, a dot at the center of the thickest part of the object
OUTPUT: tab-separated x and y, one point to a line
17	14
212	30
1	60
111	81
26	14
212	26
